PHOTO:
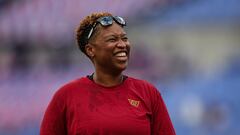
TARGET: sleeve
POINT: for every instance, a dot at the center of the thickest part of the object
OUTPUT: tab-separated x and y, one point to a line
160	123
54	120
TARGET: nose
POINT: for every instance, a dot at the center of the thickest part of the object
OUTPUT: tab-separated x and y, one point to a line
121	44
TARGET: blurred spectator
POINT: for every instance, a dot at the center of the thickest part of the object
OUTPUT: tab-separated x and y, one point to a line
59	59
21	57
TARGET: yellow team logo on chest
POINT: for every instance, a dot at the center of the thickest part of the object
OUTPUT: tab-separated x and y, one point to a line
134	103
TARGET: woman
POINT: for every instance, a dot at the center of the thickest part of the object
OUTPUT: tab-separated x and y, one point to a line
106	102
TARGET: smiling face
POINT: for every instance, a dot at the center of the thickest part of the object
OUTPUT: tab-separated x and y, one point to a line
109	49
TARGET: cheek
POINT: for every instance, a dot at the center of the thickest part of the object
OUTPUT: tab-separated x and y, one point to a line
109	48
106	53
128	46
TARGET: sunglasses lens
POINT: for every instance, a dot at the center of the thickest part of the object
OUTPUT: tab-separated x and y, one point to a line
105	21
120	20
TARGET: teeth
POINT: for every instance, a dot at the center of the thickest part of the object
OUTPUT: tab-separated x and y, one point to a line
121	54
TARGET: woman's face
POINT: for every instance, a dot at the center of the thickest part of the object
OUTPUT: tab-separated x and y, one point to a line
110	49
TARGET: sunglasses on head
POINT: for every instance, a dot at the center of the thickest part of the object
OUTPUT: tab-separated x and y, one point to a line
106	21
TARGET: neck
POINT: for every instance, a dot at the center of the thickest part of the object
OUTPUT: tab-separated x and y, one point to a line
107	80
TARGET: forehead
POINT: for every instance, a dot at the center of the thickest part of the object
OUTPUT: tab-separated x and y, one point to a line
114	29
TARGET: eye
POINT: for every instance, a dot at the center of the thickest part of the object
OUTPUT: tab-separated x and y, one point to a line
111	39
125	38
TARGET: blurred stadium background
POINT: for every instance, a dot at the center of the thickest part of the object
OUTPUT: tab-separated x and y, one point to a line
190	49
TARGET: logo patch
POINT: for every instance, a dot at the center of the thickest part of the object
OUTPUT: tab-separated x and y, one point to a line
134	103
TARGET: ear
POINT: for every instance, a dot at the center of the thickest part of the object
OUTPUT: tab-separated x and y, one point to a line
89	50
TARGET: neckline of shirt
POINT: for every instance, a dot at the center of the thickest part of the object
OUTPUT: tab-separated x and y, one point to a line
111	88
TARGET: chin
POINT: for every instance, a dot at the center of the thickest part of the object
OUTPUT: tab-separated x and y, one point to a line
119	66
122	67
